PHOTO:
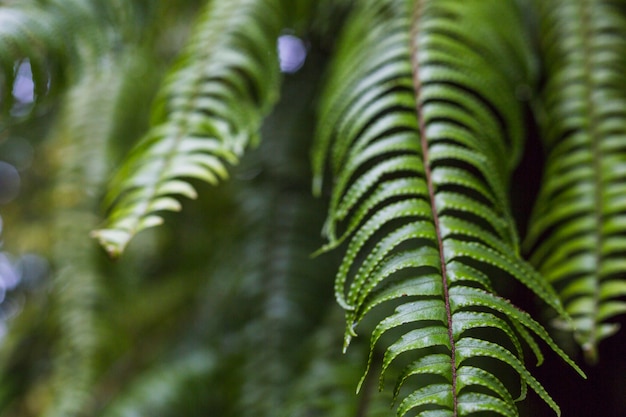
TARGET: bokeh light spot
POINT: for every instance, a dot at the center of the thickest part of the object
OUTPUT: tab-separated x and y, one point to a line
24	87
291	53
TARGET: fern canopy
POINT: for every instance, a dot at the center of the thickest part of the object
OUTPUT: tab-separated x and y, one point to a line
577	234
208	111
412	134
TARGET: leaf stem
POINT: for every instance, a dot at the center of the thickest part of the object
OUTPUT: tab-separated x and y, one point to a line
590	346
417	85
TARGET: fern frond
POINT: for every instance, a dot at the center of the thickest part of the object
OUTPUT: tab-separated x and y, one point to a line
287	292
81	138
419	124
277	263
578	225
207	113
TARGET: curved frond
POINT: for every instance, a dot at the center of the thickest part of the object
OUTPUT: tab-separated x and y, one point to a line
208	111
579	222
286	292
420	128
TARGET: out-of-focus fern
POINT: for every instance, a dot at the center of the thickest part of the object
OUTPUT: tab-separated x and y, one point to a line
262	288
208	111
286	289
423	128
81	141
578	230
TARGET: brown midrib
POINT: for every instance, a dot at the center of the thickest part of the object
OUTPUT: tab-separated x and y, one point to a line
417	85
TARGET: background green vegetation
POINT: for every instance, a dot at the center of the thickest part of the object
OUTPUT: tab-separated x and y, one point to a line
222	311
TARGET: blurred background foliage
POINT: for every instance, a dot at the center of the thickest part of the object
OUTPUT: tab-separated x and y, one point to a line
222	312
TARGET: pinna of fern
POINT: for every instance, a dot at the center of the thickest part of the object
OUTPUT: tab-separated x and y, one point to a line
419	124
208	111
577	233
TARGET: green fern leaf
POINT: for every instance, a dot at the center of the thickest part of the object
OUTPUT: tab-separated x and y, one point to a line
81	137
208	112
576	232
419	140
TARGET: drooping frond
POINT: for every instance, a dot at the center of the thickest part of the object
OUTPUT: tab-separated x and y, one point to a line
259	294
80	138
421	127
207	113
284	285
578	229
287	292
